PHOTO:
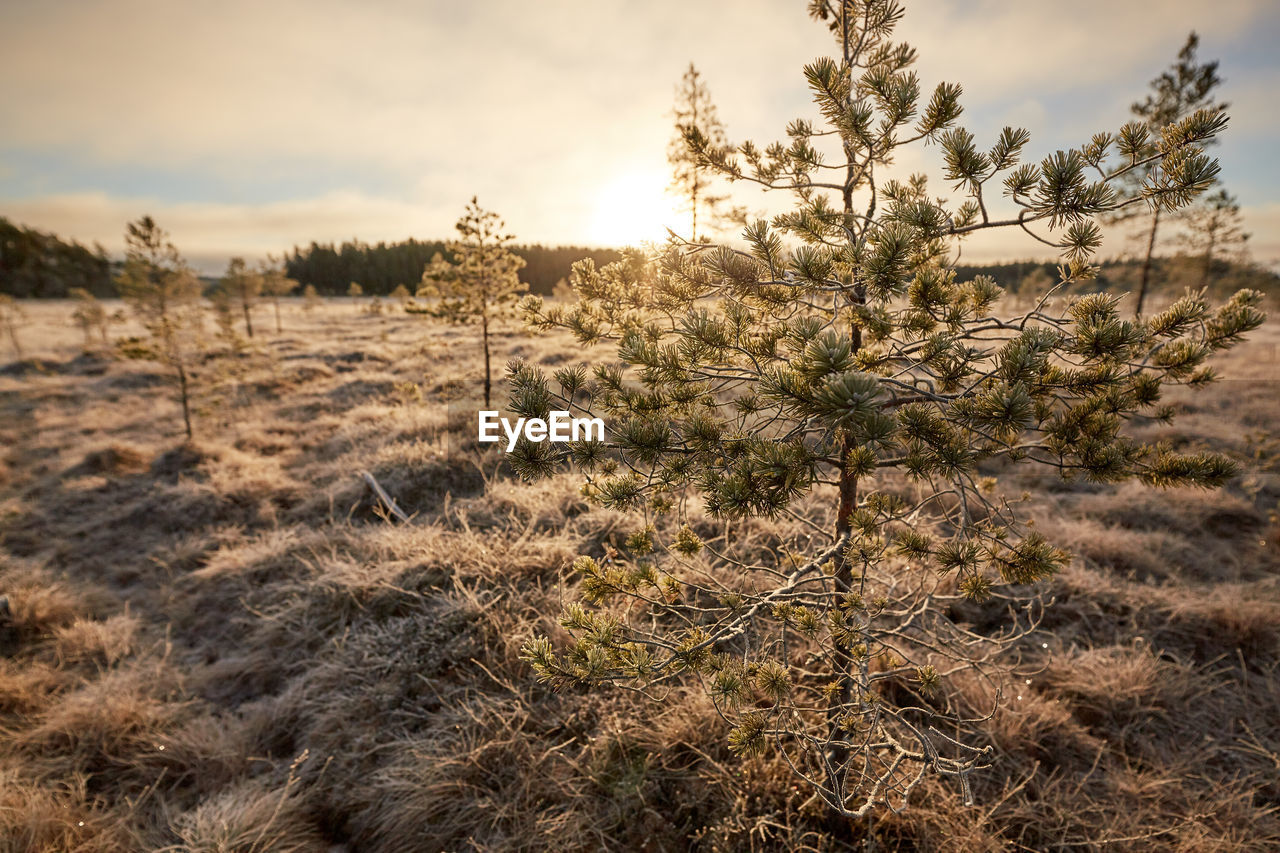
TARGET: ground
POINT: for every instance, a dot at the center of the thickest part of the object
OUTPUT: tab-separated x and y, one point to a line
226	645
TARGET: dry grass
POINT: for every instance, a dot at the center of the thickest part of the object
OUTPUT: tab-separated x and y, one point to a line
224	646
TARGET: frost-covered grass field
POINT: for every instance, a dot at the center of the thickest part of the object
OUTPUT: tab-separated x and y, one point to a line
226	646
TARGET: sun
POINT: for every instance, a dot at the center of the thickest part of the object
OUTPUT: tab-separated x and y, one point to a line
632	208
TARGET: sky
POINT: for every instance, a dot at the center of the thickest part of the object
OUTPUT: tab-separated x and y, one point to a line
250	127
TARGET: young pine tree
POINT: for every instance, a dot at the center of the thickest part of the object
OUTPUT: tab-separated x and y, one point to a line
165	296
275	283
1214	229
224	319
692	181
837	374
310	298
481	283
89	315
1185	88
242	286
12	316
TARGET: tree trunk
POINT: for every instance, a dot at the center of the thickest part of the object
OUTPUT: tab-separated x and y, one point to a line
13	338
186	405
248	324
693	237
276	303
845	662
485	326
1146	265
1208	261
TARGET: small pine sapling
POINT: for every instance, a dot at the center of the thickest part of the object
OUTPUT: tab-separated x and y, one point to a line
1185	88
310	298
692	181
1214	229
481	282
12	317
838	375
242	286
164	294
275	283
224	319
89	315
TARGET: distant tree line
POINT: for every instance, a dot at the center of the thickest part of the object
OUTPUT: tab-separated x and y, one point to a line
381	268
1172	274
35	264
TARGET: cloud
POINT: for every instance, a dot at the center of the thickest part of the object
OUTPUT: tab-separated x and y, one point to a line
208	233
380	120
411	83
1000	50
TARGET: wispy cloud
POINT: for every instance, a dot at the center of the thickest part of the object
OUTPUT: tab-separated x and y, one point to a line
253	126
207	233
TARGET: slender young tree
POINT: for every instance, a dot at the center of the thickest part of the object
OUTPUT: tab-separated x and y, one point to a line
355	291
1213	229
12	316
243	286
1186	87
481	283
310	298
165	295
275	283
89	315
224	309
692	181
839	360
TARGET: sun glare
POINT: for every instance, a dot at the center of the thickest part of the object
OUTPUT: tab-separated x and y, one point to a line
633	207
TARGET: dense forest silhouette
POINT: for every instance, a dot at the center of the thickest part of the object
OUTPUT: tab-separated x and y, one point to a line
381	267
40	265
36	264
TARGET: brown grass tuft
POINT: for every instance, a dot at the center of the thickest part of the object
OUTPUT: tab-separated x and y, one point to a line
115	460
39	611
104	643
194	616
